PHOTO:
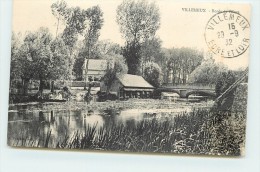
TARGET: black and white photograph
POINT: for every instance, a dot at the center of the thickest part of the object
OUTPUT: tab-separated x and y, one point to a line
129	76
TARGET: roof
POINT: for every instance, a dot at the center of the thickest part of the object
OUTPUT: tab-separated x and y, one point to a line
128	80
96	64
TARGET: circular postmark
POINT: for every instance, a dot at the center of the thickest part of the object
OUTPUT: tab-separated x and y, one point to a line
227	34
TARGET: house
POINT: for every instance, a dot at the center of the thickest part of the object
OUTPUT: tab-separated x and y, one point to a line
129	86
94	69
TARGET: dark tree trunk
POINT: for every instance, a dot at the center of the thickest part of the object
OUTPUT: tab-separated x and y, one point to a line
88	96
184	77
52	86
173	77
179	77
40	91
25	86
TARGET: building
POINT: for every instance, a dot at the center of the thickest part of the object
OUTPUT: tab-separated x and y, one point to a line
94	69
129	86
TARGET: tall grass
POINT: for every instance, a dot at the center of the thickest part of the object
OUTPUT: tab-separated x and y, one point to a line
199	132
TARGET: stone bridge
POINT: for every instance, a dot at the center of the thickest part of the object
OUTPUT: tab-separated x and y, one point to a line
185	90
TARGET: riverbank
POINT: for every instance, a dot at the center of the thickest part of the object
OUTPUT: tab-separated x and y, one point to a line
117	105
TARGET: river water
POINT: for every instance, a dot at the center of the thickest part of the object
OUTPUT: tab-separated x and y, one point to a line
31	128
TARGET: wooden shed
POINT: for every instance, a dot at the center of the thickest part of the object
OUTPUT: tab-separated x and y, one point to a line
130	86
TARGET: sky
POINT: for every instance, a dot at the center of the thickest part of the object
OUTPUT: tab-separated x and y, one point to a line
178	28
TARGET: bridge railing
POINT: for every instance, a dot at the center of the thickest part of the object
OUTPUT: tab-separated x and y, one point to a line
190	86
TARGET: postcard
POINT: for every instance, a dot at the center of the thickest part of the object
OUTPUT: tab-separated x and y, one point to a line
129	76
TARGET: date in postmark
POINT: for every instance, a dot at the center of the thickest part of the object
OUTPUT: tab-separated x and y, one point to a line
227	34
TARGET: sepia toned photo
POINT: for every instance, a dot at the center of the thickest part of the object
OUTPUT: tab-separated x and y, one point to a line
129	76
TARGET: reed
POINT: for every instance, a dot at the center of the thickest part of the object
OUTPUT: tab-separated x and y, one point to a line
198	132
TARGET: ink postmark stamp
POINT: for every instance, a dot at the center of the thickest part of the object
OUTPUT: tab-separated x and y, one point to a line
227	34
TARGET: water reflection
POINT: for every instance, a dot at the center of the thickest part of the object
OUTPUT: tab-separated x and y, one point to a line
39	125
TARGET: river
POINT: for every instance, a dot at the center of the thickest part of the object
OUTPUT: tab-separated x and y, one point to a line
30	128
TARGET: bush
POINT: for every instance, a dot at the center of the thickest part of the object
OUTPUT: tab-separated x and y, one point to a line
102	96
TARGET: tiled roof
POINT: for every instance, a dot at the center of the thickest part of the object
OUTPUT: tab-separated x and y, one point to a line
128	80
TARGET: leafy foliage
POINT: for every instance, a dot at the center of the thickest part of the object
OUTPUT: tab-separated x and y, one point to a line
182	62
82	22
116	67
77	67
132	54
153	74
61	61
95	22
58	9
224	81
16	44
42	58
138	21
75	18
151	50
36	55
106	47
207	72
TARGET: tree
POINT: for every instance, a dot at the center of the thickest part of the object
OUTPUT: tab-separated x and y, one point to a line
207	73
138	21
95	22
153	74
106	47
223	82
59	9
19	64
34	56
75	24
77	67
61	63
116	68
82	22
16	44
151	51
132	54
181	63
42	58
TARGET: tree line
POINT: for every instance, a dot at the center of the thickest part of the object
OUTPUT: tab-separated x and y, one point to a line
43	56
